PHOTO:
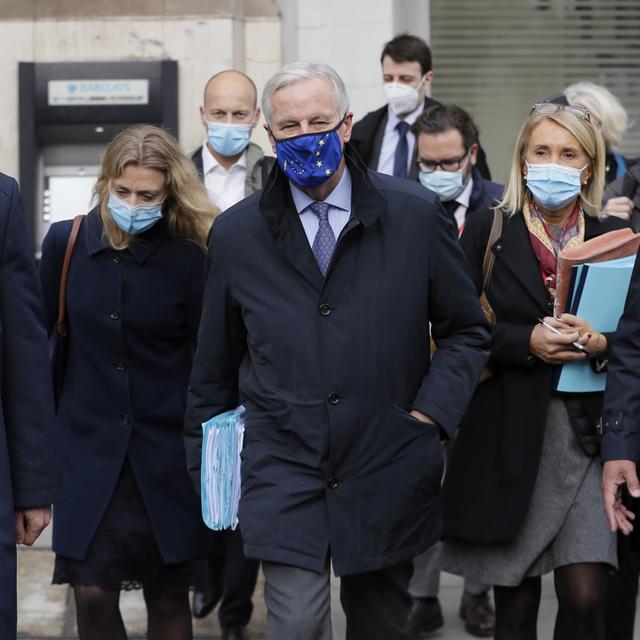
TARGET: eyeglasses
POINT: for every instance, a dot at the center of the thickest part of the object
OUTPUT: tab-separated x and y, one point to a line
452	164
548	108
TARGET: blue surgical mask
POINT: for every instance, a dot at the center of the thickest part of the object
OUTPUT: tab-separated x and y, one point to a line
228	139
447	184
553	185
310	159
134	219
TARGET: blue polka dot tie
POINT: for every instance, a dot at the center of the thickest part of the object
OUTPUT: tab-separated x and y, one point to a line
325	241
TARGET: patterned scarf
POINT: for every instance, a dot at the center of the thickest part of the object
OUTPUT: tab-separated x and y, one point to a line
547	243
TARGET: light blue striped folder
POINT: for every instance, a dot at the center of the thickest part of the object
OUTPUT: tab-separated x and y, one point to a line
222	438
598	293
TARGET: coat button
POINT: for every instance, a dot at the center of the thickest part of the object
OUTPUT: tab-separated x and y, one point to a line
115	315
333	483
497	248
325	310
121	366
333	398
549	305
117	259
126	418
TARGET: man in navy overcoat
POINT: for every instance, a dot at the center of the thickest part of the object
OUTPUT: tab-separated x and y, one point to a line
29	473
320	293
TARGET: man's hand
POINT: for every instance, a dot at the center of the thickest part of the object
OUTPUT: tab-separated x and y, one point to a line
422	417
615	474
620	207
30	523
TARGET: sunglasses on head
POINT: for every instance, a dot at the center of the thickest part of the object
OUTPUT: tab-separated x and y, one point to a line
548	108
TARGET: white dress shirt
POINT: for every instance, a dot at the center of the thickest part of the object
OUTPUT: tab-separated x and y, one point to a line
462	201
339	201
391	138
225	188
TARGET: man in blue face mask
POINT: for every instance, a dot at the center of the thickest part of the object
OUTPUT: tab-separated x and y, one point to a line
320	293
447	143
231	166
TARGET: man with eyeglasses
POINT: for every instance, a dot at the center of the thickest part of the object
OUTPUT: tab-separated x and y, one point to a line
447	158
447	150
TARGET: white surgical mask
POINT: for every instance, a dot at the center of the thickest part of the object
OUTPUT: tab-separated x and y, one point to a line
402	98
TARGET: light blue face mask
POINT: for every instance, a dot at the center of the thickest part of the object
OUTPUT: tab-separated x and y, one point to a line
447	184
134	219
553	185
228	139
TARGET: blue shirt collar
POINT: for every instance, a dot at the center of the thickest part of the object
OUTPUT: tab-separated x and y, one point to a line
340	197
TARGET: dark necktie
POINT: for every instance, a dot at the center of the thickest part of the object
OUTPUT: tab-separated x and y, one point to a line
450	206
401	158
325	241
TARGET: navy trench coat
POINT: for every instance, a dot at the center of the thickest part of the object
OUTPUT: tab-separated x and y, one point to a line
329	369
133	318
29	469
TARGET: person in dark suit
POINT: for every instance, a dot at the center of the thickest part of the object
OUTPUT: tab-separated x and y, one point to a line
128	516
447	144
29	464
383	138
319	297
231	168
532	453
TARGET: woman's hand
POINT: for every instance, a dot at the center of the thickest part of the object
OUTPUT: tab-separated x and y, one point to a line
596	342
553	348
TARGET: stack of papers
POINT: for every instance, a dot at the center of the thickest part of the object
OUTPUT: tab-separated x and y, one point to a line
222	438
597	292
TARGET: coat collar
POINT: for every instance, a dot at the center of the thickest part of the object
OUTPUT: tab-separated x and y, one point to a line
277	207
367	203
141	248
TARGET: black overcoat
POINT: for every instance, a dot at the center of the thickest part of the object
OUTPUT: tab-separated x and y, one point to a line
29	465
329	369
133	318
494	461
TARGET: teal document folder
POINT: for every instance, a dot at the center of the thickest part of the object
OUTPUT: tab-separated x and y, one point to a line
598	294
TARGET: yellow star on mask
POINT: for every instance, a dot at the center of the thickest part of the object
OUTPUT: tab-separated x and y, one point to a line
321	142
328	172
319	163
317	153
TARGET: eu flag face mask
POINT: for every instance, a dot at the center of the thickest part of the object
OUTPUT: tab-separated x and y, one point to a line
310	159
134	219
228	139
553	185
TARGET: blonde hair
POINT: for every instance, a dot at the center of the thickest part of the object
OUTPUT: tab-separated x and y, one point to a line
587	134
187	211
606	108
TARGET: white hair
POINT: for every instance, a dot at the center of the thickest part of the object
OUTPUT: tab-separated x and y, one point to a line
298	71
604	106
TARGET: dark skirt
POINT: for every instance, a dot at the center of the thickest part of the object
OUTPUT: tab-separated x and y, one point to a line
124	553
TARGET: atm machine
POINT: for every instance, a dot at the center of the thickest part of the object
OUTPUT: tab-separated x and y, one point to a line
68	114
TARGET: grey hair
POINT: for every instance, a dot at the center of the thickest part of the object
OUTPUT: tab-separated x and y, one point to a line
298	71
604	106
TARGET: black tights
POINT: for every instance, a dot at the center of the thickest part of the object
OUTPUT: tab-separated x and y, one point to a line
580	589
98	614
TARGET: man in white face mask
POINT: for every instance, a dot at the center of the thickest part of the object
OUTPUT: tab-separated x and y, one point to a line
230	165
383	138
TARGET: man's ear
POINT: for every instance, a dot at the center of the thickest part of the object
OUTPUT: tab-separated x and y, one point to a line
347	127
272	140
256	117
202	117
473	154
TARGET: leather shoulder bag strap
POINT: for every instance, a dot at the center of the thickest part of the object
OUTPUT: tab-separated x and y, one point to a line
61	324
489	256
